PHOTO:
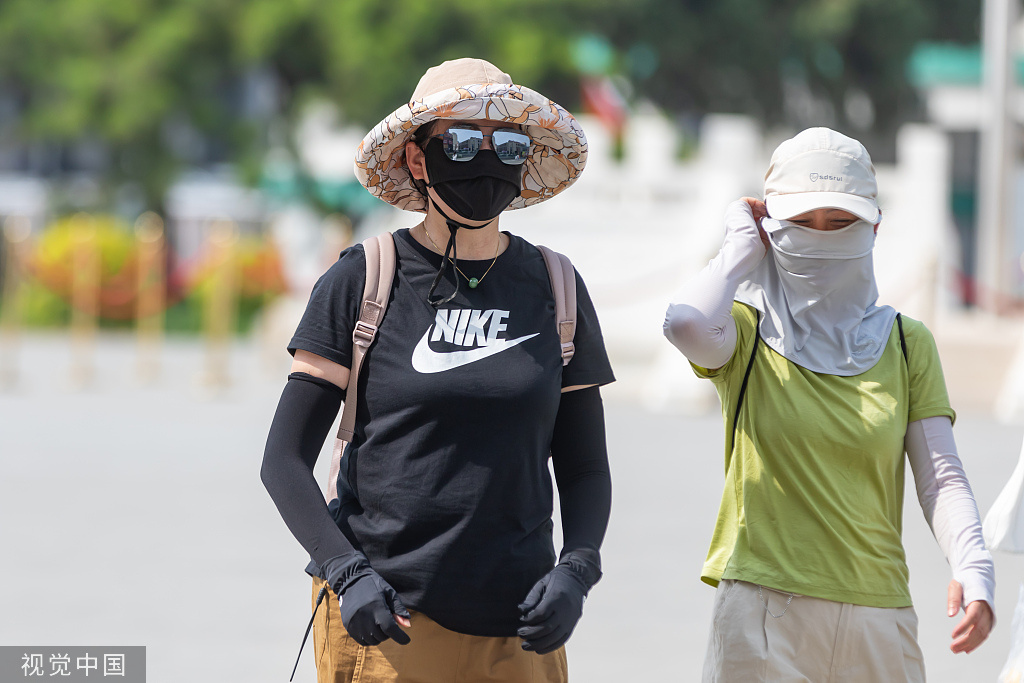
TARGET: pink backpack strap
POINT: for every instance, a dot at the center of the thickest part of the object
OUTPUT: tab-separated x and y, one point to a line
563	286
380	273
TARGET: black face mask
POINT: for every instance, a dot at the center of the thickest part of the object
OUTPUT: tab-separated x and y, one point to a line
478	189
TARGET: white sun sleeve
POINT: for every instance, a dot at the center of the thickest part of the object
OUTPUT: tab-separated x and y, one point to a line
949	506
699	321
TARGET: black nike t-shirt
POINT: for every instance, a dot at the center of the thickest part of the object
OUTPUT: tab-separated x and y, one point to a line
445	486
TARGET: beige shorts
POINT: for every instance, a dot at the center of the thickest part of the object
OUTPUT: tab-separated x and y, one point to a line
434	655
809	641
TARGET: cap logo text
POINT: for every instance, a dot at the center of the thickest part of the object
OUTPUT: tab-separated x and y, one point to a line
815	177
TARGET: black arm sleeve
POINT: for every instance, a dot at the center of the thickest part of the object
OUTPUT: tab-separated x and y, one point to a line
579	454
303	420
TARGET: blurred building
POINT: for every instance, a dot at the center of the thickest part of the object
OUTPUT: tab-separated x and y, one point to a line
949	79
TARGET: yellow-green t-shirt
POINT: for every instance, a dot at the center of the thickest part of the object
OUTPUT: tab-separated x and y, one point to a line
813	493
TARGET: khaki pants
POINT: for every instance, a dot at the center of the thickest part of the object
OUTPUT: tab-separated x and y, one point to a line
813	641
435	655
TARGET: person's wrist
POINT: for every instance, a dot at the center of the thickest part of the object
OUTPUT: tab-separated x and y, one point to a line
976	587
583	565
344	570
743	247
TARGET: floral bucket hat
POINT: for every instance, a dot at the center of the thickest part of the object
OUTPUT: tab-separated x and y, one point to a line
473	89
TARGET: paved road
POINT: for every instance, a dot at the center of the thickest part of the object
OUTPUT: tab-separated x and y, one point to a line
135	516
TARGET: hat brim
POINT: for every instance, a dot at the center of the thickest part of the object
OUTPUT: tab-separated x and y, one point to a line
786	206
557	156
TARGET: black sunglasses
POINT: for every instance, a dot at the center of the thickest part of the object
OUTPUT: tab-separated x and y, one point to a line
462	144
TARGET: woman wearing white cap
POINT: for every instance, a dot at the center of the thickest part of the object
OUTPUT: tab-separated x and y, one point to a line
439	543
822	391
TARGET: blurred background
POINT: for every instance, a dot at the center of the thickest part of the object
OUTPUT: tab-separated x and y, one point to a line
176	174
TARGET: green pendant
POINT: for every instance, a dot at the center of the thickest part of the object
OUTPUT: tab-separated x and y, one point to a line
473	282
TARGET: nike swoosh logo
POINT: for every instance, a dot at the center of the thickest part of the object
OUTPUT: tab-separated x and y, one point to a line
426	361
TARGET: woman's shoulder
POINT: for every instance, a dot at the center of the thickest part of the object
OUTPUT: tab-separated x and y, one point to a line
528	256
745	316
916	332
522	246
922	353
928	394
745	311
352	261
530	252
350	267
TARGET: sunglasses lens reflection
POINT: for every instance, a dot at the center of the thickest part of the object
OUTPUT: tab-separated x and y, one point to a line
462	144
511	147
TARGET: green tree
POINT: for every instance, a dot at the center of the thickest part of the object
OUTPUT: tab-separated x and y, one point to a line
368	55
155	79
748	56
127	73
147	77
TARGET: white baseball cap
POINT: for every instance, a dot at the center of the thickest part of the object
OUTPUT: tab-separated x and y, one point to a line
821	169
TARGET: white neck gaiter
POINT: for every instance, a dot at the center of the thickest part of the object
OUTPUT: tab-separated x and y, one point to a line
817	292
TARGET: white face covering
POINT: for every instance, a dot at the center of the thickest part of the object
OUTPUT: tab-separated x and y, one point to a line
816	289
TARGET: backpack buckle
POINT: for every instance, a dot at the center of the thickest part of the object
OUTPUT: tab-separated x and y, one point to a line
568	350
364	333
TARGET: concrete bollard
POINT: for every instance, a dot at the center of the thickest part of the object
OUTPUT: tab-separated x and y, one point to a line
85	297
150	296
16	231
220	303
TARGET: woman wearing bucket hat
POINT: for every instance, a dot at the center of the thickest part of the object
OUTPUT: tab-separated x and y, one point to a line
822	391
439	543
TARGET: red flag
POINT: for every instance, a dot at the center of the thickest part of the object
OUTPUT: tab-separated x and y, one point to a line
602	99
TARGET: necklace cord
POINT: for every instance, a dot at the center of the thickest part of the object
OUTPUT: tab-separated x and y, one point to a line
473	281
435	302
453	227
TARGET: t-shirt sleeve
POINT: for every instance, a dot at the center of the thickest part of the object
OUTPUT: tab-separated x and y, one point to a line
326	325
746	322
589	364
928	396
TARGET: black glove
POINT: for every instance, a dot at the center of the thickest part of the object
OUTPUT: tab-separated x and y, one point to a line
368	602
555	603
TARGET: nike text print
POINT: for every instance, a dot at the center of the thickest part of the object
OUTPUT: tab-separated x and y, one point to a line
463	327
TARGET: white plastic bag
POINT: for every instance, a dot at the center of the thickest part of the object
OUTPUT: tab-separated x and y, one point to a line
1013	670
1004	524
